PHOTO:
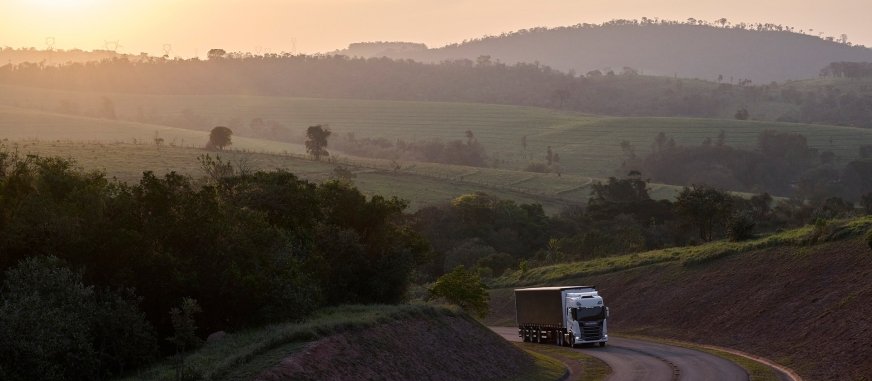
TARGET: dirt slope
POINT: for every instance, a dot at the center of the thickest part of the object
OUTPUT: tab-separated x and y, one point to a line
806	307
441	348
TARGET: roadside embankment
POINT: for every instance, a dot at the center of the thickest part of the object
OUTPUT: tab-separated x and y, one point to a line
803	305
406	342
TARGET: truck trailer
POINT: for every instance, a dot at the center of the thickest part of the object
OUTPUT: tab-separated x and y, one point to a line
566	316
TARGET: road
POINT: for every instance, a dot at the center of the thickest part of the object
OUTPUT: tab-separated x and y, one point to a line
632	360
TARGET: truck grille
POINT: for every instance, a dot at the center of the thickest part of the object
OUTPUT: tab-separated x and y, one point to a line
589	333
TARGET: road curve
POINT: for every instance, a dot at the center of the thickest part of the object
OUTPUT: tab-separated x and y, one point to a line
632	360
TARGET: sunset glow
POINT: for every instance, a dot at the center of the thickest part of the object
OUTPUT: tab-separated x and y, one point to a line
193	27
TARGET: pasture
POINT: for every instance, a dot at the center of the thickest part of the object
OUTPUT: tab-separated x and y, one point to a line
416	183
588	145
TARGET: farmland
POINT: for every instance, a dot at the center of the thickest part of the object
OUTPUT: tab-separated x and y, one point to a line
125	149
587	145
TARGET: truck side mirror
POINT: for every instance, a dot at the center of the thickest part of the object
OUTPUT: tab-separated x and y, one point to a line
574	313
607	312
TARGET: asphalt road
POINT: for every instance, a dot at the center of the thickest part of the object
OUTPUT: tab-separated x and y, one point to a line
642	360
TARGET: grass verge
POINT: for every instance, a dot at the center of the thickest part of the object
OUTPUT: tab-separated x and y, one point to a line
546	368
591	368
688	256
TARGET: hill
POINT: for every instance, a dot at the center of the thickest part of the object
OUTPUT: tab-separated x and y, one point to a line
761	52
369	342
799	297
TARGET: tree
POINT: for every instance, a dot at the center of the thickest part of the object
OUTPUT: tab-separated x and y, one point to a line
215	54
704	207
742	114
630	190
185	328
316	141
464	288
219	137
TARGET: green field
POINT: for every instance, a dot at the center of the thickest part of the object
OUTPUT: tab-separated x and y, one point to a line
125	149
422	184
588	145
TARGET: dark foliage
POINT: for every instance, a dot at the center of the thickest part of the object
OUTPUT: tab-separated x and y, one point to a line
316	141
250	248
783	164
220	137
53	327
705	208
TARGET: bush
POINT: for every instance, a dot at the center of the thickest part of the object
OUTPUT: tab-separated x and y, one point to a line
464	288
822	228
740	227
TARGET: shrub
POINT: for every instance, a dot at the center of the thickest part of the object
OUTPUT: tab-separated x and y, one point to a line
822	228
464	288
740	227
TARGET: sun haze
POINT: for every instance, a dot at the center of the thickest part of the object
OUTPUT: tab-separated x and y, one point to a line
192	27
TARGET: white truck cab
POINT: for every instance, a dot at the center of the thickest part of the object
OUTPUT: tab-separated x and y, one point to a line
586	318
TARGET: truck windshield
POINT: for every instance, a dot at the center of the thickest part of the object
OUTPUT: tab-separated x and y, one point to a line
592	313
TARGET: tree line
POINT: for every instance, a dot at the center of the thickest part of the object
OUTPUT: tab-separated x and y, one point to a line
621	91
782	164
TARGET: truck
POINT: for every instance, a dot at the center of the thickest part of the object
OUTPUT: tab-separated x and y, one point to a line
566	316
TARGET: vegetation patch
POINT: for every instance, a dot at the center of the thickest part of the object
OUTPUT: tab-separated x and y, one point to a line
582	366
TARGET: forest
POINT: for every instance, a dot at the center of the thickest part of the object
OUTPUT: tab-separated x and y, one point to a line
782	163
104	263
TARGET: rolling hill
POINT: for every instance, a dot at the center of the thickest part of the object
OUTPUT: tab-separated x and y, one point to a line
772	53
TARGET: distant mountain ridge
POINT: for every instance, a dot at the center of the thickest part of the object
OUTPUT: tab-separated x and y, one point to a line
759	52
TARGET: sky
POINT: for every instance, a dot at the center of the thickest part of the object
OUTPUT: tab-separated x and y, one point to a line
191	27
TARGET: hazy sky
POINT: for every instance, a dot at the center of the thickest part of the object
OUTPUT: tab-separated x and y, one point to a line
194	26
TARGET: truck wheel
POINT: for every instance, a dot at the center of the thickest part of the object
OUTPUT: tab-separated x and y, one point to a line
602	344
